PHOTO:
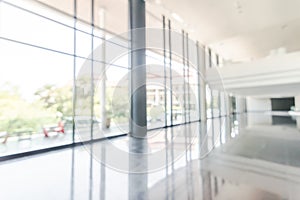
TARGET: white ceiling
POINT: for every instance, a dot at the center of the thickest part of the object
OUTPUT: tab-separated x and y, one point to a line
280	90
239	30
274	76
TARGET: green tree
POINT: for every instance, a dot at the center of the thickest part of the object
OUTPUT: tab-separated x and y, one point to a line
17	114
57	99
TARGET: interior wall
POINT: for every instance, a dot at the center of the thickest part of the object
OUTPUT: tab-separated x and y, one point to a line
258	105
297	102
240	104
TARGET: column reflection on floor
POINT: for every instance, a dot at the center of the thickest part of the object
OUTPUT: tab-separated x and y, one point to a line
173	163
138	168
103	173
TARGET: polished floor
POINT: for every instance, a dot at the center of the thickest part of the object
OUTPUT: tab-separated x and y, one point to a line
254	156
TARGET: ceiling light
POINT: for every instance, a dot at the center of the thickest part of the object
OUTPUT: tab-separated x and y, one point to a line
177	17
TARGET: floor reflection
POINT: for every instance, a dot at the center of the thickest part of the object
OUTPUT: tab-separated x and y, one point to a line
138	165
236	157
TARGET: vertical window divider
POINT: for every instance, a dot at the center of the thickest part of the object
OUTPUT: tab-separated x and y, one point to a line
219	102
183	67
212	101
170	66
165	70
92	69
198	78
74	73
188	77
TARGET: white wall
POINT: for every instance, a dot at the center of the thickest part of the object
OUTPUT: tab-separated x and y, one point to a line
297	102
268	77
240	104
259	105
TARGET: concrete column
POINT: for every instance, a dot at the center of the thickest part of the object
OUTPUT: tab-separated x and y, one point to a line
240	104
223	103
138	164
258	105
138	125
228	127
206	185
240	109
227	104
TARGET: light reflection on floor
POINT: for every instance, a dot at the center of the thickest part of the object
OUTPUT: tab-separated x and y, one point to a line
239	159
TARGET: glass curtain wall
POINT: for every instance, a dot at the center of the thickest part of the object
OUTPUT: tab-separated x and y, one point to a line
54	71
64	73
173	65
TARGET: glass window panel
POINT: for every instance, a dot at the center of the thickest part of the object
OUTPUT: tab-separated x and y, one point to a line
117	100
216	103
223	103
83	106
194	105
178	93
156	92
208	102
25	27
36	97
83	41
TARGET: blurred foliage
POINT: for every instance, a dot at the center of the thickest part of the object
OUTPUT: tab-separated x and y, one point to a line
56	99
157	112
50	105
20	115
117	104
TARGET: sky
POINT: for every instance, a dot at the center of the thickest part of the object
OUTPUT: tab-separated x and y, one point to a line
30	68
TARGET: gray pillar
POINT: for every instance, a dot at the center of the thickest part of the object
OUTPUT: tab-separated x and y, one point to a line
228	104
228	128
239	104
103	173
138	125
138	182
206	185
138	165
